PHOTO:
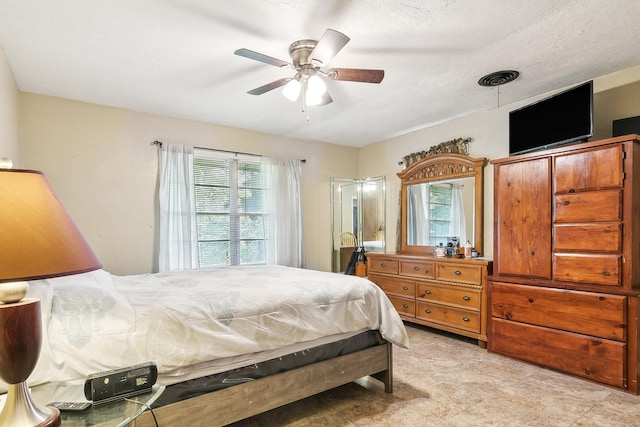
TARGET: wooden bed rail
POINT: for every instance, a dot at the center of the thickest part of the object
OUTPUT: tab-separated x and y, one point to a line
241	401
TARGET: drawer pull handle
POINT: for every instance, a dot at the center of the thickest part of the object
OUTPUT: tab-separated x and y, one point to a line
405	306
572	190
382	265
466	319
427	292
405	288
466	298
565	203
426	310
457	272
378	283
416	268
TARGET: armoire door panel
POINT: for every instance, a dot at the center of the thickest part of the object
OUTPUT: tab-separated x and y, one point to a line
590	170
523	211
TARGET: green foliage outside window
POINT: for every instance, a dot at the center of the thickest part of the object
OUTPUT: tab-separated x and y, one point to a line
439	214
231	222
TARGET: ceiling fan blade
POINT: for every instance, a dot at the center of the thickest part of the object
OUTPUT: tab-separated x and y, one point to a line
356	75
262	58
328	46
269	86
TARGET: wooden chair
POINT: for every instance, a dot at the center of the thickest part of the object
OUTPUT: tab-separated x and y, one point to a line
348	239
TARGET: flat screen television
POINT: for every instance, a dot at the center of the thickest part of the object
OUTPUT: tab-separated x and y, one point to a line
559	119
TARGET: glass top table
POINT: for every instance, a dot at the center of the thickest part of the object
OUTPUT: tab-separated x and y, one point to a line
112	414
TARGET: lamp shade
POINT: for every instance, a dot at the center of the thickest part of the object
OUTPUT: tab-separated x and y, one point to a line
38	238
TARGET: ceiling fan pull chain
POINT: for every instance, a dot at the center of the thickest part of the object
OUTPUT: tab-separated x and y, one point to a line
303	98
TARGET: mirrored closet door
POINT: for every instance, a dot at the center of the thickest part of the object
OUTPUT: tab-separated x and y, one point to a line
357	218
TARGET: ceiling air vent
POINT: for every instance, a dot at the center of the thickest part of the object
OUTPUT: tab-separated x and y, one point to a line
498	78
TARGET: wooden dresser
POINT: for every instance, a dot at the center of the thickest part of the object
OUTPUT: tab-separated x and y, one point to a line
443	293
566	282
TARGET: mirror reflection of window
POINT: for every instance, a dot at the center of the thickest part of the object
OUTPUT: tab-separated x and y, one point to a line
457	221
435	212
440	196
418	215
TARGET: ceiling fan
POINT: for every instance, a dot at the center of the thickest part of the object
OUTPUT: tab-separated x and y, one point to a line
309	59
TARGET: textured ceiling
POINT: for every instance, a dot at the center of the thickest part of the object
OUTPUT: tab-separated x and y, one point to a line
175	57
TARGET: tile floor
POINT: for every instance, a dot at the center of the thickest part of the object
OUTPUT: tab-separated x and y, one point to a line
446	381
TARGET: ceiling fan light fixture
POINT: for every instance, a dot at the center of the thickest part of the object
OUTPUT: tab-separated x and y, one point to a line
315	90
291	90
308	57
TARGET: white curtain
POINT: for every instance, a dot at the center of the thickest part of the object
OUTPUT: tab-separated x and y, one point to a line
178	232
284	204
418	215
458	226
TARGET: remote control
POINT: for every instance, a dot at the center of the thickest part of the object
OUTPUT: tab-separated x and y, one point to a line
70	406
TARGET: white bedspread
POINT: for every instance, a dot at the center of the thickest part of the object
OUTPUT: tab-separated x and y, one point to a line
97	321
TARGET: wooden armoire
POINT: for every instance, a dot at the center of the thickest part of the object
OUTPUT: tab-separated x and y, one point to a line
565	286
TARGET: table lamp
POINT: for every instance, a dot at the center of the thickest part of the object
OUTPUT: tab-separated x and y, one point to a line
38	240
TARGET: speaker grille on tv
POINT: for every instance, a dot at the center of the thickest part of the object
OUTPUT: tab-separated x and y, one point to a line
626	126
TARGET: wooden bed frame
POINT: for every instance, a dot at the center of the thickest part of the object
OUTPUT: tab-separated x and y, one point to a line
242	401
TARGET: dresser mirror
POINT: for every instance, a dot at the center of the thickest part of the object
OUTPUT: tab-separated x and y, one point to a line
441	197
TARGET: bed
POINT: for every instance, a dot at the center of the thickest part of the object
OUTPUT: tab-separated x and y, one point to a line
324	329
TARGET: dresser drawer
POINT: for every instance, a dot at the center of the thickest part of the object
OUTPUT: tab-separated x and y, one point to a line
449	316
579	207
588	313
588	357
403	306
463	297
597	237
417	269
382	264
392	285
596	269
458	273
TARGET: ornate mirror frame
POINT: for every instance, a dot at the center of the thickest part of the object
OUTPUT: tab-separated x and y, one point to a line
443	167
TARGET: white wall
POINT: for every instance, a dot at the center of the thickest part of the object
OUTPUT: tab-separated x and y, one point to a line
9	146
490	133
103	166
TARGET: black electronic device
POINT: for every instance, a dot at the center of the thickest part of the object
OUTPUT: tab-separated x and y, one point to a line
626	126
113	385
70	406
559	119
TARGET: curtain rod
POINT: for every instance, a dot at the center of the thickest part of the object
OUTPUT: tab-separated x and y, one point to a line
159	144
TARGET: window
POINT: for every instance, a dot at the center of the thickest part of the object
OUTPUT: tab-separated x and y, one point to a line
440	213
231	219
